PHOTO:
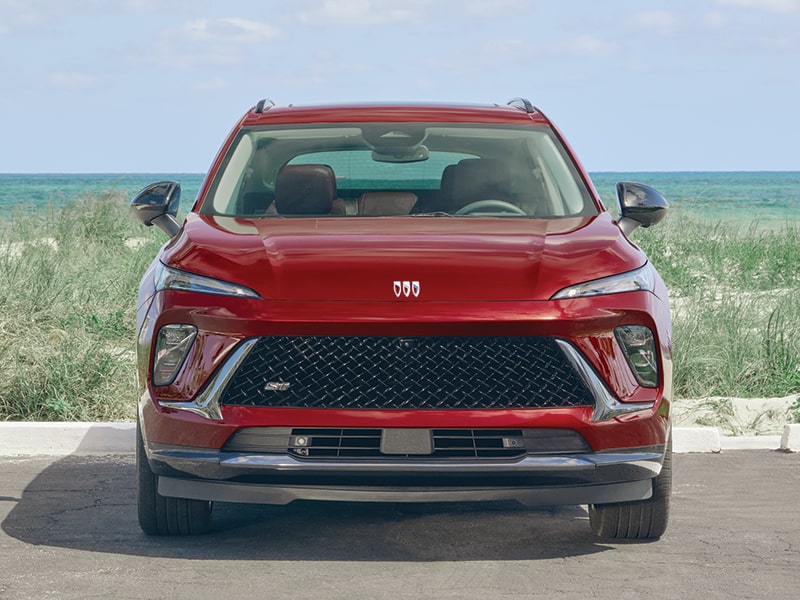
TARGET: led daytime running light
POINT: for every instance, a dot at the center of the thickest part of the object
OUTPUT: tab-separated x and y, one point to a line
167	278
641	279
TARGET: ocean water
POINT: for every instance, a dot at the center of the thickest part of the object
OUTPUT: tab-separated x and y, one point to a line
766	198
32	191
744	197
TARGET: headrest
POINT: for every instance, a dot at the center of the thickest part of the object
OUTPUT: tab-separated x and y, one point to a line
379	204
481	179
305	190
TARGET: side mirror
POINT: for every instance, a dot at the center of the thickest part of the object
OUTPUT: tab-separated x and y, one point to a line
157	204
639	205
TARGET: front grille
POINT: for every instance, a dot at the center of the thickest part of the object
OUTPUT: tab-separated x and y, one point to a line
384	373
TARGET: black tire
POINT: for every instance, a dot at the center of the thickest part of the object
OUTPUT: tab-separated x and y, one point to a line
160	515
642	520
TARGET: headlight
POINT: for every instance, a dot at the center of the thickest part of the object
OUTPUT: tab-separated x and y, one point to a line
173	343
639	346
641	279
167	278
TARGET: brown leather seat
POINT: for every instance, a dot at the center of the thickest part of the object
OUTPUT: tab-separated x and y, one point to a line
471	180
256	203
305	190
379	204
475	179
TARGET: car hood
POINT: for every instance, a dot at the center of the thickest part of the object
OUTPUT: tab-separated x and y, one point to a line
403	259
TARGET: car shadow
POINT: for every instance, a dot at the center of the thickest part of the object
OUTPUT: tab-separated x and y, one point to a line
88	503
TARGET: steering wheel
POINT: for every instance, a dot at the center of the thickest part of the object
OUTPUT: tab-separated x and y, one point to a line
493	206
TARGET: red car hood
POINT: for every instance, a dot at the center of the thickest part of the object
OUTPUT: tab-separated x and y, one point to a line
403	259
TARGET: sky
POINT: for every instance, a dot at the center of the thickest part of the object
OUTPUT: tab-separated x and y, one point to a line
154	86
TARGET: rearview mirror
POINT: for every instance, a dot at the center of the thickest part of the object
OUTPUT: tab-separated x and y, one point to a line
157	204
401	155
640	205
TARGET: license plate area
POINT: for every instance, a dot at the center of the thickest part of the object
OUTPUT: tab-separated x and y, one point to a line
407	441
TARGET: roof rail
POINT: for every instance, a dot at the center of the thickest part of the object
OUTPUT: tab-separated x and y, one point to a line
261	103
522	104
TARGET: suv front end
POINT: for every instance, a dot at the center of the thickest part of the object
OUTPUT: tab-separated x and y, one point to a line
406	303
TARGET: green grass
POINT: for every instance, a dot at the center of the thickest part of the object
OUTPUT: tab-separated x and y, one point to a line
735	295
68	284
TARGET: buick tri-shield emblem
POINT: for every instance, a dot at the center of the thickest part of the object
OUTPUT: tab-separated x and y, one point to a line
406	288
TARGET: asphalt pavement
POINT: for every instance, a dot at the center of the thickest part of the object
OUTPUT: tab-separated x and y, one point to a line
69	531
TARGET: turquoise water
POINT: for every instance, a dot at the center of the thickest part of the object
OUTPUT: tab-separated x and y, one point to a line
33	191
769	198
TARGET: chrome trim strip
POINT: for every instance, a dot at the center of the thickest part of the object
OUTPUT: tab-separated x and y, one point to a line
213	464
206	404
606	404
274	494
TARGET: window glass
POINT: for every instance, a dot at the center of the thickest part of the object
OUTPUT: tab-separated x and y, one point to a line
232	175
398	169
356	169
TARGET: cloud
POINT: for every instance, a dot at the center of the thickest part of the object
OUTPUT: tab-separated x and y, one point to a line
72	80
358	13
210	85
660	22
159	6
716	20
497	8
36	15
584	45
363	12
203	42
17	14
231	30
773	6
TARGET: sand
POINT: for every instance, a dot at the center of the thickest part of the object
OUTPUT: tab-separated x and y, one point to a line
736	416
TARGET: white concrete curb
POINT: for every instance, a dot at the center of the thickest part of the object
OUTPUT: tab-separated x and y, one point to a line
696	439
751	442
790	441
61	439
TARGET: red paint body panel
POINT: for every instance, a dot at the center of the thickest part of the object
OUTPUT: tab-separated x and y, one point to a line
184	429
357	259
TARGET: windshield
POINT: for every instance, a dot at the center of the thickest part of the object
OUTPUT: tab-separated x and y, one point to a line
397	169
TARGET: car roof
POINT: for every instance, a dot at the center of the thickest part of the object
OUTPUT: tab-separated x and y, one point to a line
518	111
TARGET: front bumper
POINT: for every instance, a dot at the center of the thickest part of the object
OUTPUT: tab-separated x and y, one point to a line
581	478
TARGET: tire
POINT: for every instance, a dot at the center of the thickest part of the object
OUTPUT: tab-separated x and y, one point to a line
160	515
642	520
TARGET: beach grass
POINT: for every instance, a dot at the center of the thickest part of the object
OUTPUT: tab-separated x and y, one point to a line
68	296
735	297
69	279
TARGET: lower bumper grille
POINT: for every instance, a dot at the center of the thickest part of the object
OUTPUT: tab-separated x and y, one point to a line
447	443
370	443
406	373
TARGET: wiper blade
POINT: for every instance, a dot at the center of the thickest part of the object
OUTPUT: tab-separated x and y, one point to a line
436	213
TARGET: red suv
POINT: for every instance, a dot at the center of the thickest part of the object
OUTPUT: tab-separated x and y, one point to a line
402	303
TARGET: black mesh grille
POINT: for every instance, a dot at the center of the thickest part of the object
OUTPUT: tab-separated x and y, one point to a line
406	373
